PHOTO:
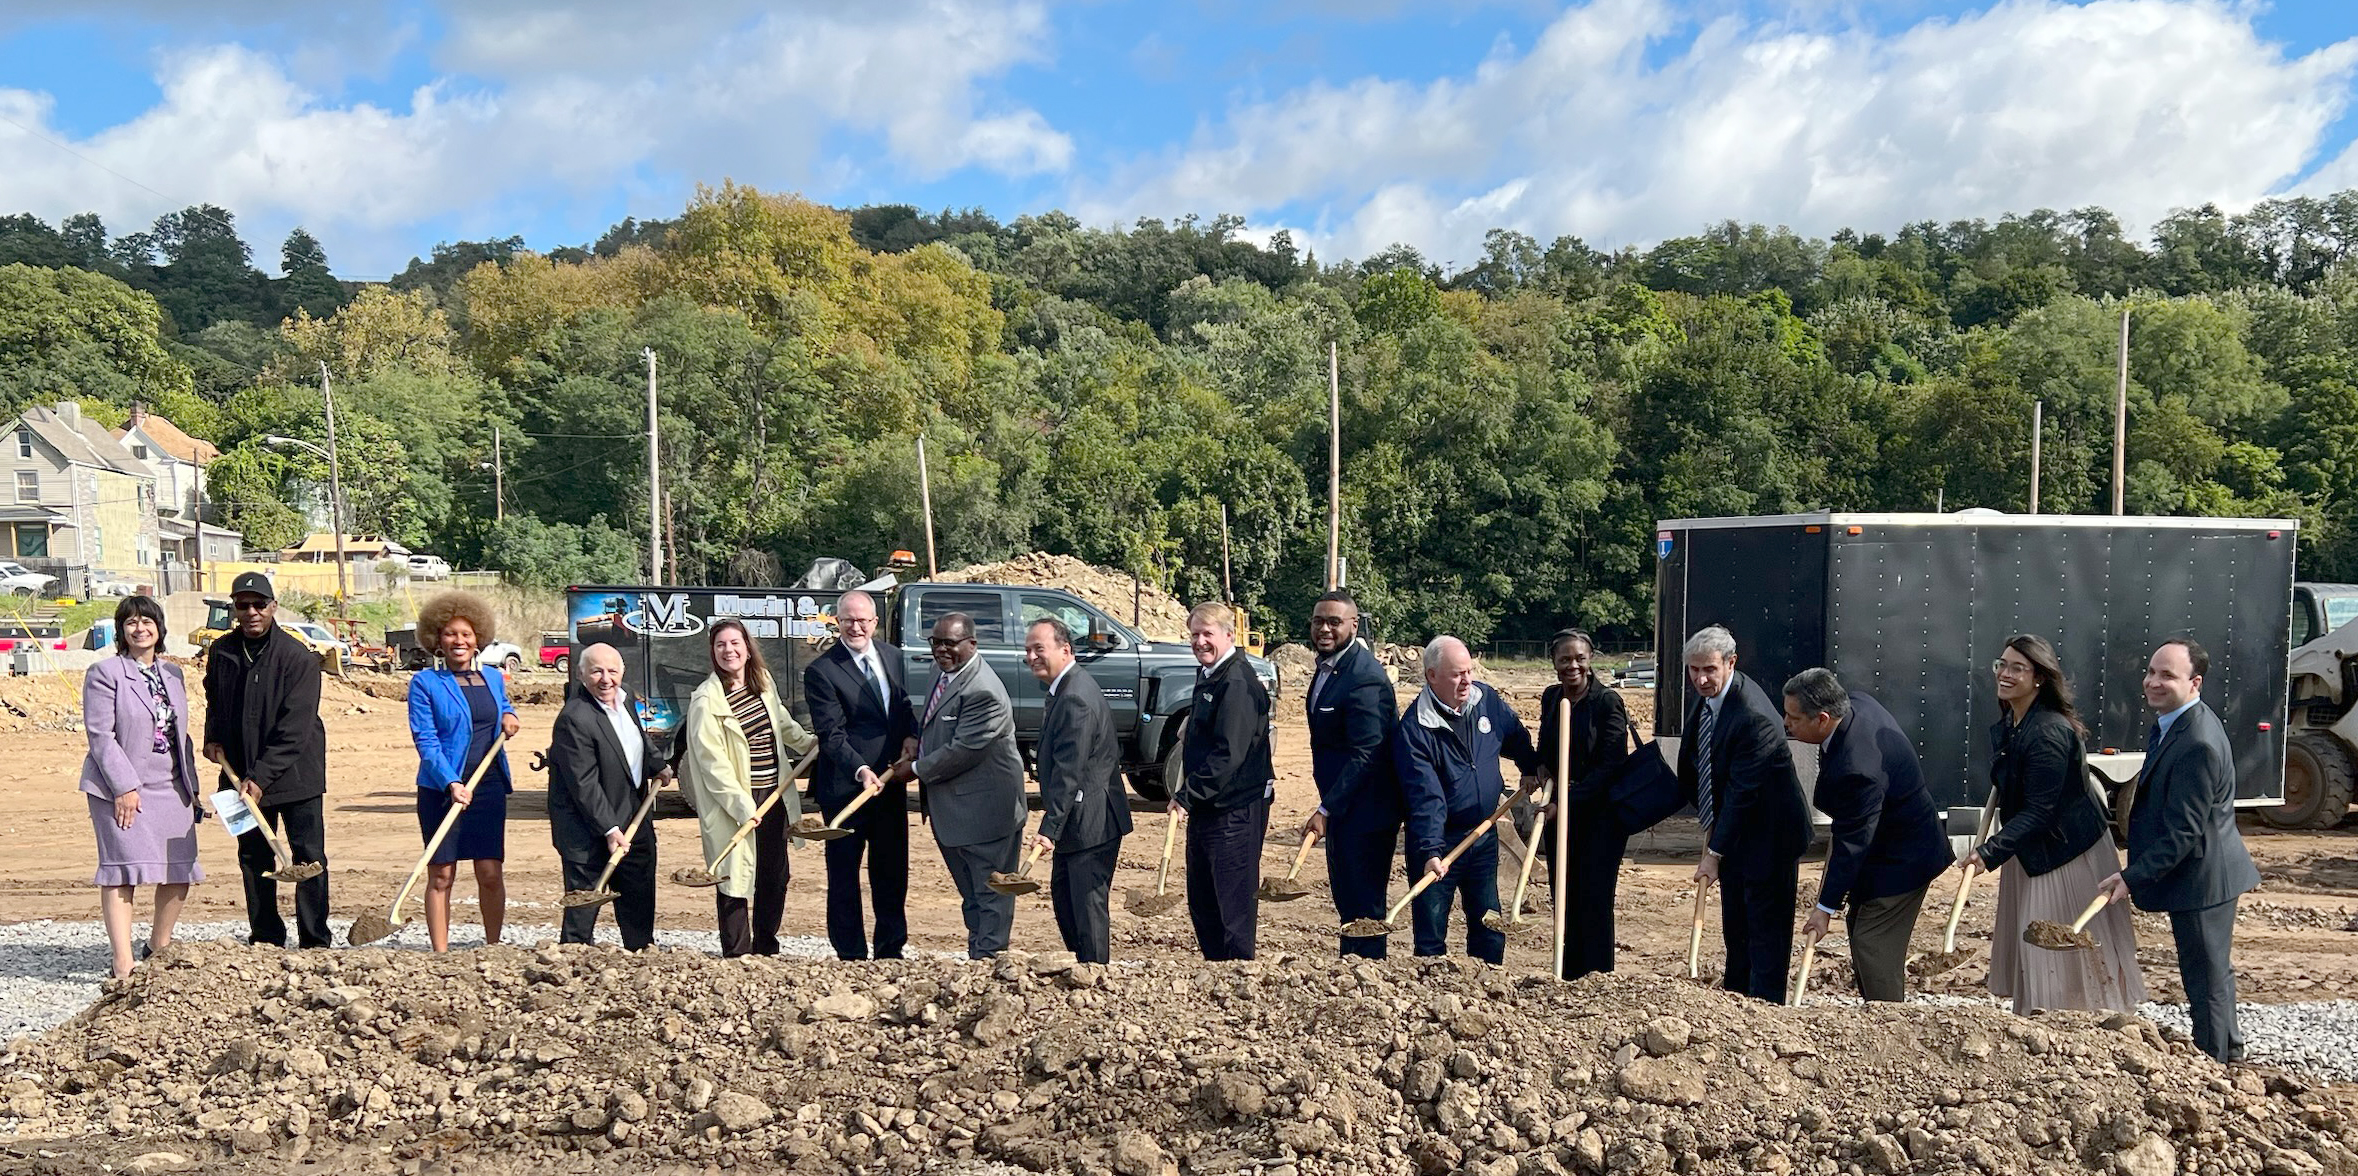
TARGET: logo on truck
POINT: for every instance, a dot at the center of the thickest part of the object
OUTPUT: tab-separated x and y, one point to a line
663	616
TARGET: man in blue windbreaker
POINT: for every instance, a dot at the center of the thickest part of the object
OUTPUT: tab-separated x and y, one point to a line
1446	752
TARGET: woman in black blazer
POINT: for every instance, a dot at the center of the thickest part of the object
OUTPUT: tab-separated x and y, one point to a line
2052	848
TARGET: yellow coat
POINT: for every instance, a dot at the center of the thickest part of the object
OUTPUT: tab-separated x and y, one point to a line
717	772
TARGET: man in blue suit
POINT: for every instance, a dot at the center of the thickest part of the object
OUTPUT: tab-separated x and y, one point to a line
1447	750
1887	843
2185	855
859	703
1352	712
1734	767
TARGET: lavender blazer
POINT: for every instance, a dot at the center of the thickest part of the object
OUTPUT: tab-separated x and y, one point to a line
121	723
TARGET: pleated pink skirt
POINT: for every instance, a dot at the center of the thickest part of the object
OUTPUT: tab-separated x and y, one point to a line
2105	977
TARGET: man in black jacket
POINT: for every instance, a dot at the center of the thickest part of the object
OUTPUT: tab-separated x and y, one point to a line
601	766
1888	844
1225	795
1084	809
1351	710
1735	769
860	711
262	726
2185	855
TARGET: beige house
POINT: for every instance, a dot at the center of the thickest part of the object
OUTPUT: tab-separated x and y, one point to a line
79	504
178	461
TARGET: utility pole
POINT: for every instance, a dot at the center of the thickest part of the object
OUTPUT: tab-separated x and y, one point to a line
499	479
654	482
2038	415
1227	593
199	511
2120	420
925	499
327	396
1334	469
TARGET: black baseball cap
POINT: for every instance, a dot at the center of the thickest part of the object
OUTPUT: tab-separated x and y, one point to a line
252	583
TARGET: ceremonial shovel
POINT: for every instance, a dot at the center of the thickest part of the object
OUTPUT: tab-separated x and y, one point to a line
1695	939
1949	955
1357	928
810	827
1515	923
287	871
710	875
1287	889
1019	882
2053	937
370	926
598	895
1146	905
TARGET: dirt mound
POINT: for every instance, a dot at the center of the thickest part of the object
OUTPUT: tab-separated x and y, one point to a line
1161	616
509	1059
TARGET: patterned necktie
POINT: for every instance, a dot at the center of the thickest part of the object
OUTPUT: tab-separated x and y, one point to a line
940	684
1705	803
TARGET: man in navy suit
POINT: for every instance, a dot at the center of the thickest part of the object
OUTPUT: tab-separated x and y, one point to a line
1888	845
1734	767
1084	809
860	711
2185	855
1351	711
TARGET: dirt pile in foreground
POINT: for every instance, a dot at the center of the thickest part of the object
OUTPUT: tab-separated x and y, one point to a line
510	1060
1161	616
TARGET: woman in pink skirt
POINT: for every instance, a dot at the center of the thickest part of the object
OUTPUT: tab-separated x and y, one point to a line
140	779
2052	848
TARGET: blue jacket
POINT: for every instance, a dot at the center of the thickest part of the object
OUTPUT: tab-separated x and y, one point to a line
1887	836
2184	851
440	724
1453	785
1351	728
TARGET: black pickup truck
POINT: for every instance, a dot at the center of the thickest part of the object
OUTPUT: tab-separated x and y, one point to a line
660	633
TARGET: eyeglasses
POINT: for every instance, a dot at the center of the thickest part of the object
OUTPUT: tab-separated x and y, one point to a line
2006	669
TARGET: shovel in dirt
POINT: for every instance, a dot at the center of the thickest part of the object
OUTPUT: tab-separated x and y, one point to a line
287	871
1809	956
1019	882
370	926
1950	955
1145	904
710	875
2056	937
1695	937
812	828
1516	924
598	895
1358	928
1290	887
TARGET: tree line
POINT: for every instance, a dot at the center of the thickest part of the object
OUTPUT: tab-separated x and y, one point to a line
1511	428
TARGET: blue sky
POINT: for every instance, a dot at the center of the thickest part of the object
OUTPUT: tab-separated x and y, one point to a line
387	127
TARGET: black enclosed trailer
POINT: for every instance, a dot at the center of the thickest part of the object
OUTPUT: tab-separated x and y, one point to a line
1913	608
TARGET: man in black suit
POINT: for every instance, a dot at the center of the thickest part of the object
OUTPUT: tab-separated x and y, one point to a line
1735	769
1351	710
2185	855
1225	794
1888	844
1084	809
861	714
600	765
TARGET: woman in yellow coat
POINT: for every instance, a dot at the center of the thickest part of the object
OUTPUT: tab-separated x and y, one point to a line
739	737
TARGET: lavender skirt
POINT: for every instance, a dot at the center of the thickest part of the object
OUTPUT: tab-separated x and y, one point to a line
160	847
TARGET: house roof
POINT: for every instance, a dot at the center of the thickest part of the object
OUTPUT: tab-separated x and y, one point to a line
323	544
168	437
83	441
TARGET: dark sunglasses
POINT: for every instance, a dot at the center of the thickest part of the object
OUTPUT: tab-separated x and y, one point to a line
250	605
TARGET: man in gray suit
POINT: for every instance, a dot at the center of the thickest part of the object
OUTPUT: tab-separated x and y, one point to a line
1084	810
2185	856
970	781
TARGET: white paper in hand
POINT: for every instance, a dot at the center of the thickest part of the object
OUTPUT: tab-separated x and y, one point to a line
235	816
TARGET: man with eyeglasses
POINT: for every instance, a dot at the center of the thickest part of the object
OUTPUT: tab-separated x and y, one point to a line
860	710
1352	711
262	726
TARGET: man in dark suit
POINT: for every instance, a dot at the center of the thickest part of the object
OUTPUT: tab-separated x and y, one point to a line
1888	844
860	711
262	726
1352	711
971	781
2185	855
1225	794
1735	769
1084	809
600	766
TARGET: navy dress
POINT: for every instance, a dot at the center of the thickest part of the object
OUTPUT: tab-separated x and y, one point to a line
482	833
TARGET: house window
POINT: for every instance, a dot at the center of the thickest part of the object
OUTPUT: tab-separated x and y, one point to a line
24	443
139	451
98	545
32	541
28	486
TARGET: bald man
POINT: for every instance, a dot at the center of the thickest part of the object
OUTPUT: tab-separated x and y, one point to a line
1446	750
601	765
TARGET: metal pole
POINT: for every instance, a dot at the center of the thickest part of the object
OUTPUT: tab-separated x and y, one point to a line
1563	862
335	485
2038	417
925	498
1334	468
654	482
200	522
499	479
2120	420
1227	592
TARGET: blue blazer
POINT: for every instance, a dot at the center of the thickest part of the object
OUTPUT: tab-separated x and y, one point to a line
1887	836
2185	853
1351	731
441	724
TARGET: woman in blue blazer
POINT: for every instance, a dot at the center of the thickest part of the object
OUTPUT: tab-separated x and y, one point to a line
456	710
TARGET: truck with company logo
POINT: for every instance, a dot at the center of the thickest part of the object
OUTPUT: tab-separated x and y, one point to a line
660	633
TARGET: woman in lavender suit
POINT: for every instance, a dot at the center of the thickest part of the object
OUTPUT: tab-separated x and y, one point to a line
141	778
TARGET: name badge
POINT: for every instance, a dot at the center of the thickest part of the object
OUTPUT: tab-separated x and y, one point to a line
1483	724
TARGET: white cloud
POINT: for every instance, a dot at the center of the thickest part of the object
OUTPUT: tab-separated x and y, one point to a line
2135	105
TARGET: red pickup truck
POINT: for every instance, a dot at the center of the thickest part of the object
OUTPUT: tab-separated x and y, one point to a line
555	652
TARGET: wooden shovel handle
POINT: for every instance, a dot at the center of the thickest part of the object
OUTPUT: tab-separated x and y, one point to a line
785	785
1695	939
837	821
1029	859
628	834
449	820
1989	816
1162	875
1450	859
1301	855
278	852
1530	857
2094	905
1809	955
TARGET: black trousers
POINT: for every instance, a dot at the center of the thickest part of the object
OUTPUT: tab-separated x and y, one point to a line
1359	872
2204	938
880	832
1224	877
1880	929
1595	879
633	885
770	874
989	915
1080	891
1756	925
304	825
736	925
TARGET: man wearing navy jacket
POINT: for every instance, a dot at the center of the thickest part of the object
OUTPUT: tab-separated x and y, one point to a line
2185	855
1225	794
1887	842
860	711
1084	809
1446	751
1351	713
1735	769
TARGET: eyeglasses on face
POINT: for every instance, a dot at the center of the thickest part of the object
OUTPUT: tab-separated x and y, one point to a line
2007	669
